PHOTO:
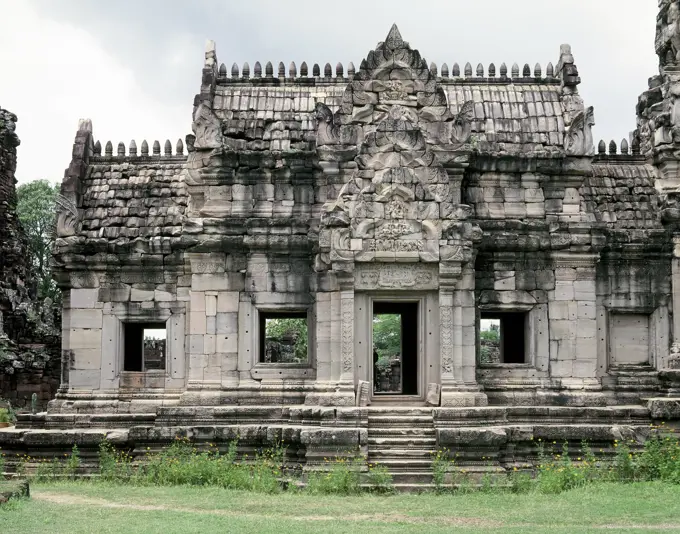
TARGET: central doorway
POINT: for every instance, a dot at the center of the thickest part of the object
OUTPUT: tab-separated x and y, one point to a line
395	348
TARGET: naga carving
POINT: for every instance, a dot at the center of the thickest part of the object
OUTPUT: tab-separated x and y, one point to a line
578	140
68	218
208	129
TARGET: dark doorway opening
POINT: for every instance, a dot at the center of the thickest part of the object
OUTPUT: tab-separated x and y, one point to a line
395	348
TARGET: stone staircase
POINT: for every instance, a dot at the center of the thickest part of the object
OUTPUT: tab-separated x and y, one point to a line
404	441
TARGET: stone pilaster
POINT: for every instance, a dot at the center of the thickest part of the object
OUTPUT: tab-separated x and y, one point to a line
459	386
573	340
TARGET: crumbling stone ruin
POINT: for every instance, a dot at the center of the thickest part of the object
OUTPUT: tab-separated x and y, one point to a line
29	361
445	196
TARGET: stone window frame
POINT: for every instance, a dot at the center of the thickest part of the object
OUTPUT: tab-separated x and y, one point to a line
655	315
281	371
172	377
537	336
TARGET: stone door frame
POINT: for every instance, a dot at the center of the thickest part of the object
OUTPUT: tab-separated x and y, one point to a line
427	352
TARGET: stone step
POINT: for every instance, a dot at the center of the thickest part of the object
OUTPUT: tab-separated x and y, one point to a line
394	454
404	465
402	441
375	432
391	420
399	412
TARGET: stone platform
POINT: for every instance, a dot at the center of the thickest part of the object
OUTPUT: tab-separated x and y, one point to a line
486	439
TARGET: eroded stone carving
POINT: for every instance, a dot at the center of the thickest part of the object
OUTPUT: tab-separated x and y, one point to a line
578	140
207	128
68	218
396	276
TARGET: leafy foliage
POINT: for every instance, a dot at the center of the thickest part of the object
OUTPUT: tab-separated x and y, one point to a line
291	328
37	211
387	334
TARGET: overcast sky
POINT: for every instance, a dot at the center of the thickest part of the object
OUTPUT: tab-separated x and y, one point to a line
133	66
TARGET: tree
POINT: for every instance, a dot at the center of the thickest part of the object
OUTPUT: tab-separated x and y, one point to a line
37	211
387	334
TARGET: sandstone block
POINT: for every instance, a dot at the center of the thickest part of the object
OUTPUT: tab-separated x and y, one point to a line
88	318
84	298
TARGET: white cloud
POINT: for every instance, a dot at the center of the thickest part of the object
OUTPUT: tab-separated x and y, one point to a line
57	73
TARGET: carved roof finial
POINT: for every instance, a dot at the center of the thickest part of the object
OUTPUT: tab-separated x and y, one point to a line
550	71
339	70
351	71
303	69
612	147
327	70
234	71
121	149
179	148
223	70
526	71
145	148
316	70
480	70
292	70
635	147
602	147
156	148
492	71
624	146
108	149
282	70
257	70
433	69
515	70
394	39
167	148
98	149
504	70
468	70
455	70
269	70
445	70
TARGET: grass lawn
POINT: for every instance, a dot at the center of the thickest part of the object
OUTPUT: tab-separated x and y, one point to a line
76	507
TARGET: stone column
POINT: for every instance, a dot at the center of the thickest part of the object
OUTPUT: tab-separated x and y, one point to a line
675	288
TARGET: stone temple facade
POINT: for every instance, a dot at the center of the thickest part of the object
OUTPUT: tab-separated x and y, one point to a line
451	198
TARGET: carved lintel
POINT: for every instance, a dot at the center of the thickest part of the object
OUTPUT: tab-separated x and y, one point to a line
396	276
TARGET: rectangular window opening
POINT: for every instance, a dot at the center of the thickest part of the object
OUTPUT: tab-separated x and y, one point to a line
502	338
284	337
395	348
145	347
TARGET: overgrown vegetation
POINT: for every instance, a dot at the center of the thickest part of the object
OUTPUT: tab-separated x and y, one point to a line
184	463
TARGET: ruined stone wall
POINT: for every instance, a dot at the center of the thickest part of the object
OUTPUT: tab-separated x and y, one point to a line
14	271
29	358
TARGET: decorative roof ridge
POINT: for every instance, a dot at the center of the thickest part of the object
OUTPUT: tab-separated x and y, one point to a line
624	152
132	153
